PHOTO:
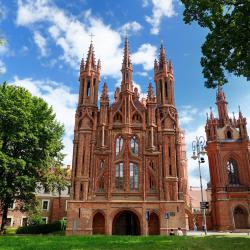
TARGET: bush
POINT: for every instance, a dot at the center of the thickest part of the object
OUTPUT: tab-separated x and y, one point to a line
43	228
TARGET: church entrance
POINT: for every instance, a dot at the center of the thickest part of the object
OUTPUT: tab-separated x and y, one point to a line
154	224
126	223
98	224
240	218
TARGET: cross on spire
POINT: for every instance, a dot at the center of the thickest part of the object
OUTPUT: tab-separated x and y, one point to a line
91	37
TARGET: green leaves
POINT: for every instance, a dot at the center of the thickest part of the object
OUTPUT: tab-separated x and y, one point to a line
227	45
30	143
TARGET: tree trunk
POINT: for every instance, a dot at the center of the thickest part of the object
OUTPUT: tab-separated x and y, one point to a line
4	217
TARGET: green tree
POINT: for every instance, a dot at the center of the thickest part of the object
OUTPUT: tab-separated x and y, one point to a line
227	45
57	179
30	143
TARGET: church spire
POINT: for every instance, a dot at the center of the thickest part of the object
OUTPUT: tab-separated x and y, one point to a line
90	62
222	106
162	58
126	68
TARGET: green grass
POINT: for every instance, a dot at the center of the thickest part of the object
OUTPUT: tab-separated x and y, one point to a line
123	242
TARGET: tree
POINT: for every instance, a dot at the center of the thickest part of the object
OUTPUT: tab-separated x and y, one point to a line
57	179
227	45
30	143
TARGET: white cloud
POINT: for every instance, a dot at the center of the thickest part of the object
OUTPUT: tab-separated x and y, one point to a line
72	35
41	43
52	92
145	56
187	114
2	67
132	27
161	8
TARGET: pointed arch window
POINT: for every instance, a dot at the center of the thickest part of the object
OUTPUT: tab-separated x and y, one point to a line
119	176
134	145
232	170
102	164
88	88
166	89
133	176
119	145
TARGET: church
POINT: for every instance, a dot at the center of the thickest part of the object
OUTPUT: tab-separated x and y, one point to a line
129	172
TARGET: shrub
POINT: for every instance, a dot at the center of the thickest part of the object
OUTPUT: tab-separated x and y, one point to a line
43	228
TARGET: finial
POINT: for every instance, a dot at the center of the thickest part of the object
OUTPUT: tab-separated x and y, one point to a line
239	108
91	38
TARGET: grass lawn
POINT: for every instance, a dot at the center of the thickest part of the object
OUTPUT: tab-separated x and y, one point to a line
123	242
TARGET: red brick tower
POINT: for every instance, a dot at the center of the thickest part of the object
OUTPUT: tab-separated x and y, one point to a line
129	156
228	149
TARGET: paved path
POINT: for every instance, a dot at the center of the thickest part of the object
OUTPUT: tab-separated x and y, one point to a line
199	233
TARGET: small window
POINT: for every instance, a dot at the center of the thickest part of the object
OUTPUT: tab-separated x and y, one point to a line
68	190
119	176
232	169
45	205
166	89
133	176
119	145
45	220
24	222
134	145
9	222
229	134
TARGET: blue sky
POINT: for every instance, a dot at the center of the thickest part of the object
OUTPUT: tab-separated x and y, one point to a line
46	40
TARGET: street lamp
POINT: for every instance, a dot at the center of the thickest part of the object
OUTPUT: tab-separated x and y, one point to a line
199	151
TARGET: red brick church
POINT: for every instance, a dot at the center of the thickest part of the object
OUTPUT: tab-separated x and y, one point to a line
228	150
129	164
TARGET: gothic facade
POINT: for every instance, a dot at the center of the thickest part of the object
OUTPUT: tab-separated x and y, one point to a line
228	150
129	161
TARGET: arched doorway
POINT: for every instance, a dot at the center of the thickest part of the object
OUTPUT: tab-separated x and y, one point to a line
240	218
99	224
126	223
154	224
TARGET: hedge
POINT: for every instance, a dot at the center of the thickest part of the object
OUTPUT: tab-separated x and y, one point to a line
43	228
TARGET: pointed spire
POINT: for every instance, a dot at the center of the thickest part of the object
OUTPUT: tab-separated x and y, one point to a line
126	69
222	107
162	57
104	96
211	114
82	64
126	58
99	65
240	113
90	62
150	92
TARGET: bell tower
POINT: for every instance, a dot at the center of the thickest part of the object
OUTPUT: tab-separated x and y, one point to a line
164	80
85	125
228	150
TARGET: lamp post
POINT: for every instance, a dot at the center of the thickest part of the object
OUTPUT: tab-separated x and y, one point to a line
198	152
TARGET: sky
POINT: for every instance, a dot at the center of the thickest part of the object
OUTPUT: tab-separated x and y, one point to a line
46	39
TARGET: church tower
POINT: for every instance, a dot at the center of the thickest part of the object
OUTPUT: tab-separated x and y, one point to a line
228	150
129	167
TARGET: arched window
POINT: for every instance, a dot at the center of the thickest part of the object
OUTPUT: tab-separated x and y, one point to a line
229	134
134	145
119	176
160	89
136	118
166	89
232	169
133	176
118	146
88	88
